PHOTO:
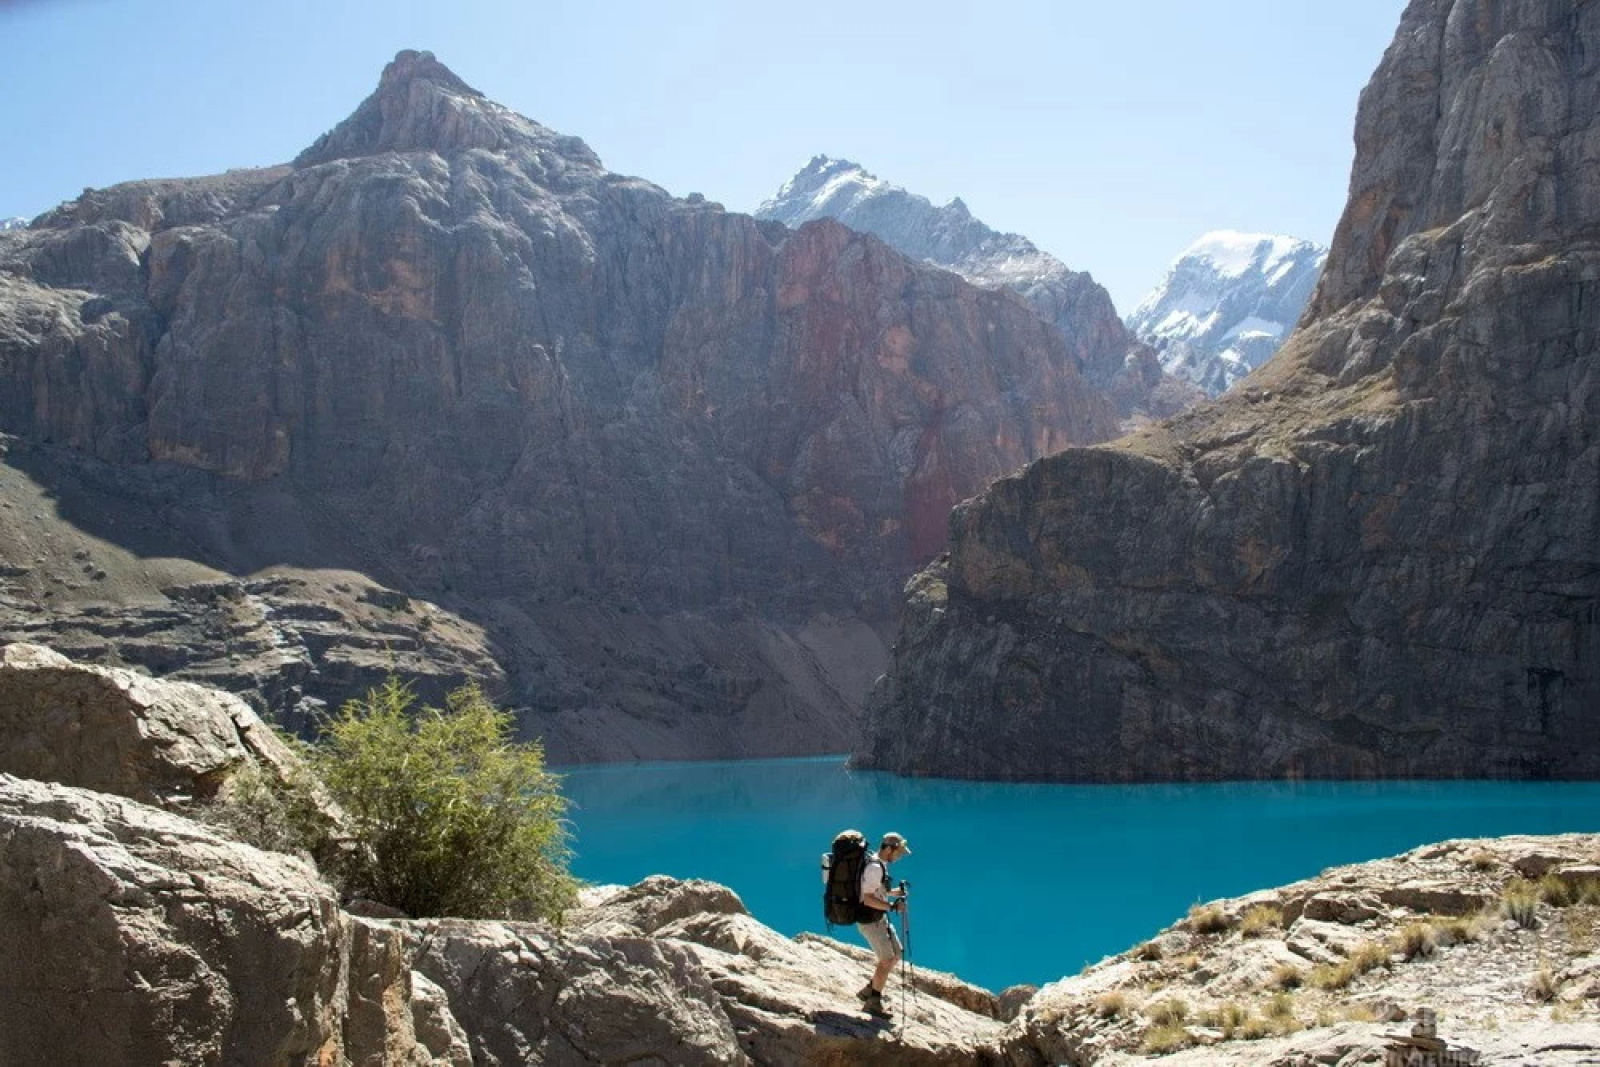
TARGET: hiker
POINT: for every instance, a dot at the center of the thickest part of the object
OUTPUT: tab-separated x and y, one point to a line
879	900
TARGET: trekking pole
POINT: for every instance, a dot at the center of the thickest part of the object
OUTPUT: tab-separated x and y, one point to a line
906	966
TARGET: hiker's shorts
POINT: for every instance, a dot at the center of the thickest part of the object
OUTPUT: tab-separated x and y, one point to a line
881	936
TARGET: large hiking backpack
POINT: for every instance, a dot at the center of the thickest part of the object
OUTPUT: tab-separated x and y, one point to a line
841	879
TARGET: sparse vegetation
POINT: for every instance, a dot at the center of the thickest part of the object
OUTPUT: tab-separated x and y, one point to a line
1168	1012
1281	1006
1483	861
1208	919
1150	951
1115	1004
1168	1038
1417	939
1228	1018
1543	986
1520	903
1457	930
1260	919
1557	892
1287	976
1368	956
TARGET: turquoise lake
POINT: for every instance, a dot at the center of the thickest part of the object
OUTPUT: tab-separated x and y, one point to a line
1022	883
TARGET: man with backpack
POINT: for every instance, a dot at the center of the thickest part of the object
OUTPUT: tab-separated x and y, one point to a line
877	900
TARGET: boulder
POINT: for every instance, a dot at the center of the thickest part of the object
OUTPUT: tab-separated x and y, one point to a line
114	730
131	935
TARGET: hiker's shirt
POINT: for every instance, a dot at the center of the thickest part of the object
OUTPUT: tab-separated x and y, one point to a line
874	875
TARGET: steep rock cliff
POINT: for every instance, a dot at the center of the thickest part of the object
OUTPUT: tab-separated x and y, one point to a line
672	462
1110	356
1380	554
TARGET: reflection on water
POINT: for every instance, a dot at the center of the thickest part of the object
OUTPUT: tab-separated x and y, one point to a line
1100	867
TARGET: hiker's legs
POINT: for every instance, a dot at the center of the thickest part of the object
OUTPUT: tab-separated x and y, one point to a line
886	946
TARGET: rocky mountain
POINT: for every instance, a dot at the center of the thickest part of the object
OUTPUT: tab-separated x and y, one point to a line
950	237
13	224
1381	555
171	940
444	394
1226	305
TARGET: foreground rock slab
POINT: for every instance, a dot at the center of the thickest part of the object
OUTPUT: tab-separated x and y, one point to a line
130	935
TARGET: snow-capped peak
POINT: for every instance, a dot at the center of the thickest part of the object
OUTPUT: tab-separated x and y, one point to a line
13	224
1232	253
1227	303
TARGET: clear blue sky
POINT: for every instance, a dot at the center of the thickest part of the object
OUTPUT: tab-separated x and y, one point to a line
1112	134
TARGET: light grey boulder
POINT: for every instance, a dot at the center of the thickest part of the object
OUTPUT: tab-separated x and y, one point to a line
131	935
114	730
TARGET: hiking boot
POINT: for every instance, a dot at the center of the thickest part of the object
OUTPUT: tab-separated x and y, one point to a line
874	1005
866	992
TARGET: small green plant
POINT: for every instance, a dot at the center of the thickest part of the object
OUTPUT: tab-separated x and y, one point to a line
1208	919
1417	939
1168	1038
453	817
289	815
1520	903
1168	1012
1260	919
1287	976
1115	1004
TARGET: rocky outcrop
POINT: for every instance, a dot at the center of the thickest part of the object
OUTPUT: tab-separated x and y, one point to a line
1226	305
672	462
1377	556
1323	970
1111	358
118	731
129	935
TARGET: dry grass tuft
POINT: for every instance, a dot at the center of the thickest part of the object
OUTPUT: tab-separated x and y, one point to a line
1261	919
1208	919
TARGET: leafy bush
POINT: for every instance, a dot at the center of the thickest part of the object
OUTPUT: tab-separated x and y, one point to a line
290	816
451	816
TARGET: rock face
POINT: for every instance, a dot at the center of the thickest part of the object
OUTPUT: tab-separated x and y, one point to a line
673	463
1227	304
118	731
128	935
1379	557
950	237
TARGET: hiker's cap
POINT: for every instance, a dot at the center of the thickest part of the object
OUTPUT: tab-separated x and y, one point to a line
894	840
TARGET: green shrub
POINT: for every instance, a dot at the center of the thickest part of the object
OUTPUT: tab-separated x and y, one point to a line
452	816
289	816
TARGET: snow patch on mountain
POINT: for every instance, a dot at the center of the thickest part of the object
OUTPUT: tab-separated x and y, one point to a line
1227	303
13	224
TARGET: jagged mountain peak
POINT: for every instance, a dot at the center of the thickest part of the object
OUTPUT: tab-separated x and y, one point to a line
1227	303
420	105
